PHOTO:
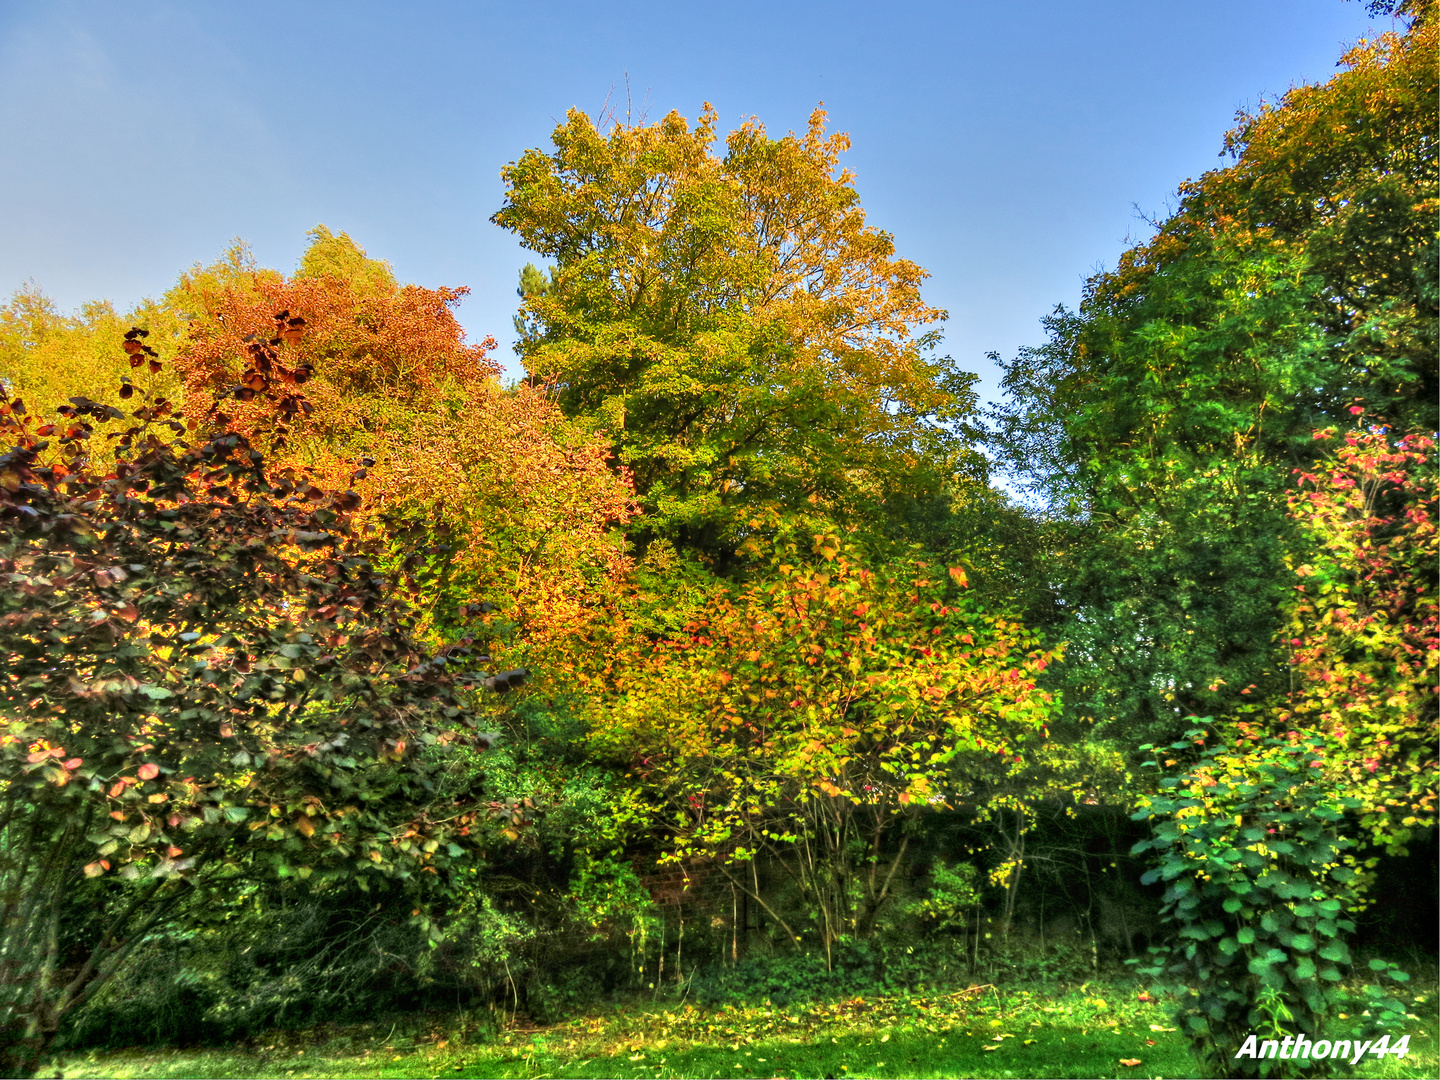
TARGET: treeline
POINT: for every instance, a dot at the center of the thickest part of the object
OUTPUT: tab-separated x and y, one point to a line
306	612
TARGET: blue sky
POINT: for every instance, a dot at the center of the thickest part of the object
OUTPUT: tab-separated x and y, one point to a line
1004	144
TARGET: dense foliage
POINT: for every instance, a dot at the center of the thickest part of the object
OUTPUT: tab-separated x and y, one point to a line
1161	422
815	705
1364	625
1260	881
810	718
740	333
204	677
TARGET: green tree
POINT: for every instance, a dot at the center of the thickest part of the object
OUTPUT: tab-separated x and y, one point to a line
533	282
1160	423
742	335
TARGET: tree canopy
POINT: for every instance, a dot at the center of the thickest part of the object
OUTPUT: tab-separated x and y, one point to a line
731	322
1161	422
787	633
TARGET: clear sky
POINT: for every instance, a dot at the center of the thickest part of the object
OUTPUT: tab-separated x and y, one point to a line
1005	144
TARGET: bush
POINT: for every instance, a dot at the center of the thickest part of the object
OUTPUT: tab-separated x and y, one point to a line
266	960
1258	879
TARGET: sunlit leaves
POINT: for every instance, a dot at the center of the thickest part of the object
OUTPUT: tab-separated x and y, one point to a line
730	322
822	703
1362	627
1161	422
199	668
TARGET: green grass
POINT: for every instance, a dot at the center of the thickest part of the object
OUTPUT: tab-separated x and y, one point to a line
988	1031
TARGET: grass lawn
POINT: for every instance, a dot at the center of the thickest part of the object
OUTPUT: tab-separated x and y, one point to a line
1098	1029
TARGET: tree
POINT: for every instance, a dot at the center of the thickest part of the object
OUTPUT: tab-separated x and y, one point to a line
1168	485
1161	422
202	672
46	356
807	719
731	322
502	501
372	354
532	283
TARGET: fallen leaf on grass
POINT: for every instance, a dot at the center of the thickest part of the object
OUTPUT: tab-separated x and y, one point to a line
1130	1062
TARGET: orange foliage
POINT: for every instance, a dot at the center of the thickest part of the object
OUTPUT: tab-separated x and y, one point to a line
512	503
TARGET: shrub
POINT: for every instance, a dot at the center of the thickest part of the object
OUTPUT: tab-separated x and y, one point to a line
1259	879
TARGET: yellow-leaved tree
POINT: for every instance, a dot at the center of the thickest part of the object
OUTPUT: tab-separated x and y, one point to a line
731	322
804	719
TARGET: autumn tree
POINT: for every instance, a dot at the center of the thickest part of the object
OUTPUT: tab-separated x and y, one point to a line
504	502
1160	423
375	353
203	674
807	717
731	323
1363	626
47	356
